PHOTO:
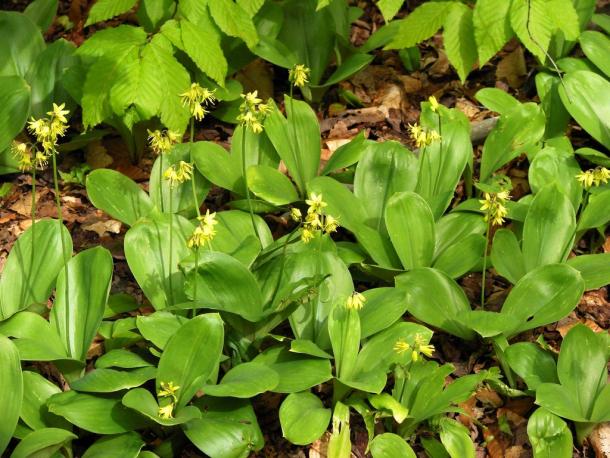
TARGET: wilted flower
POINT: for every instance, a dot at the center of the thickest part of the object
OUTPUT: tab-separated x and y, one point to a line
299	75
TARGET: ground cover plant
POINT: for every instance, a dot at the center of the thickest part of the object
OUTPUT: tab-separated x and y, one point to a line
324	227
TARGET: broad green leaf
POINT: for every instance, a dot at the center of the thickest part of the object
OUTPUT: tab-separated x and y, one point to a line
383	307
444	309
349	67
228	428
106	9
43	442
453	228
158	327
225	284
594	268
152	13
388	445
459	39
121	358
35	338
586	95
533	25
111	380
602	20
344	330
385	401
218	166
118	195
348	154
557	117
42	13
456	439
11	391
126	445
462	256
80	300
421	24
533	364
271	185
549	229
496	99
303	418
235	235
596	212
307	347
192	354
245	380
142	401
383	170
28	277
202	44
233	20
556	166
96	413
546	294
549	435
565	19
25	44
34	411
517	132
411	226
296	372
506	255
491	27
296	139
147	249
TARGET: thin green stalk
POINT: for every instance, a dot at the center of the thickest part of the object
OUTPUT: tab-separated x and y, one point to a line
196	204
33	213
63	243
161	180
301	181
171	246
243	171
485	262
315	304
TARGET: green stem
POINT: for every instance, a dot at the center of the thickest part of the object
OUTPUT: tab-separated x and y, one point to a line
297	156
243	171
161	180
500	344
33	213
484	264
196	204
171	246
317	299
63	243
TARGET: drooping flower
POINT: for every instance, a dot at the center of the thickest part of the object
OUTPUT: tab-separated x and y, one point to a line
296	214
197	99
355	301
299	75
161	141
204	232
401	346
166	412
178	173
252	112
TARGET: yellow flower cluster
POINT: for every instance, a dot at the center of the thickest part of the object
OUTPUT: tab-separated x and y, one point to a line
434	105
161	141
252	112
422	137
205	231
299	75
198	99
493	204
168	390
47	132
594	177
355	301
178	173
418	348
316	220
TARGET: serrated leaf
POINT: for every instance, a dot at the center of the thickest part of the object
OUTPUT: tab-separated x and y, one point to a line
564	17
389	8
233	20
459	39
106	9
491	27
421	24
202	44
533	25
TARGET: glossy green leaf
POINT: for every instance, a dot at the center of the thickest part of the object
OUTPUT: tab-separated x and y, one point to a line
344	330
245	380
587	96
121	358
348	154
81	298
349	67
533	364
383	307
594	268
303	418
517	132
453	228
118	195
34	411
147	249
595	214
28	279
158	327
456	439
126	445
225	284
15	95
296	372
444	309
415	246
559	167
388	445
549	435
36	339
549	229
271	185
596	47
43	442
385	401
461	257
142	401
307	347
11	393
192	354
557	117
22	50
493	98
96	413
227	429
218	165
111	380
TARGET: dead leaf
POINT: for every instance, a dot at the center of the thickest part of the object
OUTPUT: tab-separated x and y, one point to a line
512	68
600	440
101	228
97	155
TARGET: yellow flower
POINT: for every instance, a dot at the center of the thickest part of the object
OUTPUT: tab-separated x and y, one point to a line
161	141
427	350
296	215
197	98
401	346
299	75
252	112
355	301
493	206
168	390
59	113
586	179
602	175
432	136
415	130
166	412
41	160
205	232
178	174
307	234
315	202
251	98
433	103
330	224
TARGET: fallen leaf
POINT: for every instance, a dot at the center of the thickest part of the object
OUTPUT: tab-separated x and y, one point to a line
97	155
512	68
600	440
101	228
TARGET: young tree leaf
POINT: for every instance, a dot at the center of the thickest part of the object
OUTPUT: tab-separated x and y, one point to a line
421	24
106	9
234	20
202	44
389	8
459	39
531	21
492	28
